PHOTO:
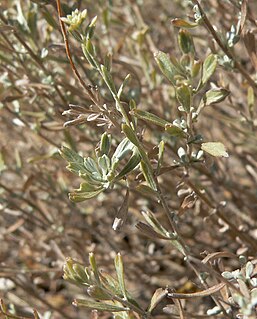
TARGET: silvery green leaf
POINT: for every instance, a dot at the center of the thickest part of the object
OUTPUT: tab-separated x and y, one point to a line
174	130
76	162
91	165
148	231
228	275
157	297
147	116
105	144
216	149
148	175
124	83
209	67
110	283
185	41
93	178
184	96
98	305
213	96
178	66
196	68
104	163
131	135
68	270
80	197
80	271
108	80
249	269
122	150
98	293
153	222
131	164
91	28
237	274
89	52
85	187
166	66
94	267
160	157
120	274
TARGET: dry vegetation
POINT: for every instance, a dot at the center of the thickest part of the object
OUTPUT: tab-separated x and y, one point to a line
206	203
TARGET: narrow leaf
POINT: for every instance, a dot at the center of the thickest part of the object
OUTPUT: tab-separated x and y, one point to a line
146	190
120	274
122	150
184	96
154	223
124	83
203	293
160	157
148	175
213	96
166	66
80	271
148	231
131	135
86	191
105	144
98	293
108	80
98	305
147	116
209	67
132	163
93	264
185	41
157	297
76	162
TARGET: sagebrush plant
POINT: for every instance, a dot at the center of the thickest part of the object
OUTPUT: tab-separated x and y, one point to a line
163	129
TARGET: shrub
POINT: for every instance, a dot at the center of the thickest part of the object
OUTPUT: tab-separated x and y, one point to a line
161	120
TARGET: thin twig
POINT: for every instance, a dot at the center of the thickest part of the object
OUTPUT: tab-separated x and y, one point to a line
68	53
237	65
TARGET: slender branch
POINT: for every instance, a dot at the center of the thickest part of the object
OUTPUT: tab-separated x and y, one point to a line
34	57
244	237
68	53
185	248
237	65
